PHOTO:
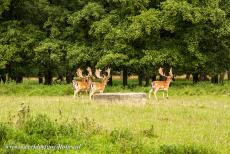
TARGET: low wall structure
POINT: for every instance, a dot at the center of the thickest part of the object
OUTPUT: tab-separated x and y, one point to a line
121	97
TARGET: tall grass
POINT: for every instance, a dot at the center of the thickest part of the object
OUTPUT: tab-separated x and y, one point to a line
194	120
185	124
177	88
86	136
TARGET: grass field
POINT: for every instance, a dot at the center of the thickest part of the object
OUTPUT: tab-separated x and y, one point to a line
195	119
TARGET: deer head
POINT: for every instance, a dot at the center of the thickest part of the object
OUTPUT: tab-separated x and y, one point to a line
79	73
98	73
89	72
108	72
163	74
106	77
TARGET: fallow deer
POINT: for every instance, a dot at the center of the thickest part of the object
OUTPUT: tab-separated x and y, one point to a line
161	85
99	86
83	85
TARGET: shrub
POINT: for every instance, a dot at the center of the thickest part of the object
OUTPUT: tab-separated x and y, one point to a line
150	132
184	149
117	135
40	125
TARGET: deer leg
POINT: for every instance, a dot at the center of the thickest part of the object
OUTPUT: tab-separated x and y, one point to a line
90	94
150	91
74	94
167	94
77	93
163	95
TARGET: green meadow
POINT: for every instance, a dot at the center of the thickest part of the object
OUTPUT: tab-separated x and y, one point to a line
195	119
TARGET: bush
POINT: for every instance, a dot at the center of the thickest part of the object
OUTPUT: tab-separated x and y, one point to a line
116	135
40	125
150	132
184	149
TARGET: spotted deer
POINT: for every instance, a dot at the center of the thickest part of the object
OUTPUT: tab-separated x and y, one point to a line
99	86
84	84
161	85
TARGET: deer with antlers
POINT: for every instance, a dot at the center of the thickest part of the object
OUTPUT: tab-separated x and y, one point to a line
161	85
84	84
99	86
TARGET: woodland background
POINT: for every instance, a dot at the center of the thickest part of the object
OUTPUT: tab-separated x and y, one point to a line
48	38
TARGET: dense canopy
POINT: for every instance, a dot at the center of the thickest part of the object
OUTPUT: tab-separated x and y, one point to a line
47	38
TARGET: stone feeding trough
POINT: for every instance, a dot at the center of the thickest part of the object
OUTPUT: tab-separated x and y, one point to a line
121	97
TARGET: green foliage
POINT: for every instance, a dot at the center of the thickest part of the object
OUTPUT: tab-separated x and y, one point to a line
40	125
91	11
150	132
81	55
4	134
40	130
48	53
118	136
180	149
52	38
4	5
114	60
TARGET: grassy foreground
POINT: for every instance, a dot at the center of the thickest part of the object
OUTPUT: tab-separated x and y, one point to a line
195	120
182	124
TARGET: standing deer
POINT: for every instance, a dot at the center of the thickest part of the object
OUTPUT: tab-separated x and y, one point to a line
161	85
83	85
99	86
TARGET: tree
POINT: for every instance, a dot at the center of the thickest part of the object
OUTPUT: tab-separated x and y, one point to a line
48	55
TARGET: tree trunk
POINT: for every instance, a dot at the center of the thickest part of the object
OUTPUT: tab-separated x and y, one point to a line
214	79
69	77
195	77
229	75
154	78
48	77
187	76
2	75
19	78
110	83
40	78
140	78
3	78
147	79
125	77
48	73
221	79
9	73
60	77
203	77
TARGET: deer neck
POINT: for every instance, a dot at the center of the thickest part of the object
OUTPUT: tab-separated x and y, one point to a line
104	81
168	81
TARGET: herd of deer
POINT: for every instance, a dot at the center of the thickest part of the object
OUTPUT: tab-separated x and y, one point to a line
86	83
